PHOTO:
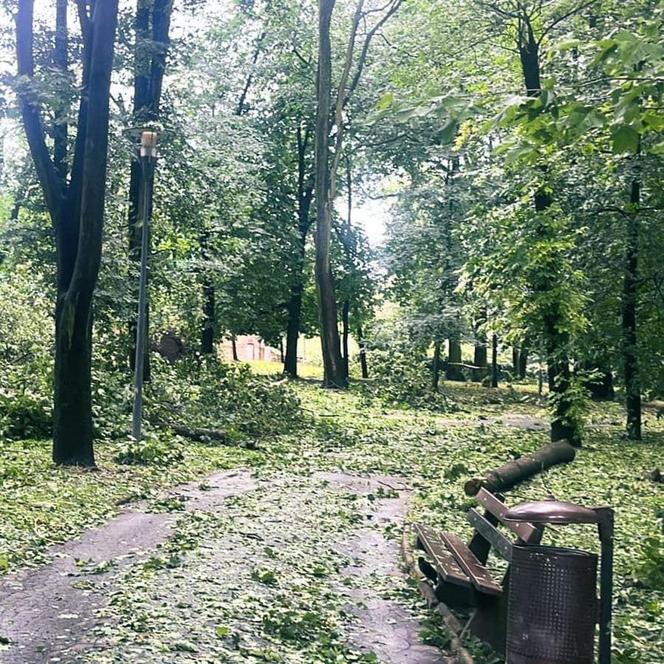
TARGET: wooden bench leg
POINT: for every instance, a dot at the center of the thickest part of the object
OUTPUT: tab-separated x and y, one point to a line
489	622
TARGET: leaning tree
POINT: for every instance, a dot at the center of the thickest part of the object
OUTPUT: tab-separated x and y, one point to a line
331	124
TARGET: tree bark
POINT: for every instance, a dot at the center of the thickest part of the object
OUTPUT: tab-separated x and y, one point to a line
209	311
556	341
77	213
629	317
207	335
345	334
334	374
521	469
294	309
523	362
435	379
494	360
363	353
519	361
61	64
454	359
480	358
305	188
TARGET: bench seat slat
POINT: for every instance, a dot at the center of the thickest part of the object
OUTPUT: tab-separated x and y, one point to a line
479	575
444	562
526	532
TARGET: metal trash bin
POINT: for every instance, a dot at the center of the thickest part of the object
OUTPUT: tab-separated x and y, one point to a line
552	606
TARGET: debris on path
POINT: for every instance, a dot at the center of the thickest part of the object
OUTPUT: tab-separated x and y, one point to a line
48	614
290	568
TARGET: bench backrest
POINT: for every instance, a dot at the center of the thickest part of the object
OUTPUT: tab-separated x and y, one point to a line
526	532
486	533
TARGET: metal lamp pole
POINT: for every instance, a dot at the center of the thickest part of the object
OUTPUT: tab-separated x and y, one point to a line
148	159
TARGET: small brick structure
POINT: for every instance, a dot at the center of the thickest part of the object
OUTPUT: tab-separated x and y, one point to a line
249	348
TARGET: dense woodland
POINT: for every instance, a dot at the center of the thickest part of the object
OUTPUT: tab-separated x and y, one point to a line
512	156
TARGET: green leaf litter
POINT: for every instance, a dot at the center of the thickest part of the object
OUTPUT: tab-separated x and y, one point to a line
261	580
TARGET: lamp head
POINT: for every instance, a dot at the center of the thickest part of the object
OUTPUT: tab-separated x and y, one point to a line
149	144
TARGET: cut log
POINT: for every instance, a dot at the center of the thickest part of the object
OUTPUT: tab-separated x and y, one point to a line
521	469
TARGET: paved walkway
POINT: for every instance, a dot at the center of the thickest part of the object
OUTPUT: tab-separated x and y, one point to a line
242	570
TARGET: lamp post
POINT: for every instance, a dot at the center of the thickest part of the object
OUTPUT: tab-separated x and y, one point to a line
148	156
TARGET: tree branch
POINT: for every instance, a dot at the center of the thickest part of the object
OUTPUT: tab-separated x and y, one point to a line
93	181
245	90
365	48
344	95
547	29
52	185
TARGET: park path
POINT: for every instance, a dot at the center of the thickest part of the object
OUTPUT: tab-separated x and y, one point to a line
48	613
241	568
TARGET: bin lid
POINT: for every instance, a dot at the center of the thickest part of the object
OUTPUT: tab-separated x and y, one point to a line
551	511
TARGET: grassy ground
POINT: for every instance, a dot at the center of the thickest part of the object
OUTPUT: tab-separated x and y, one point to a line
434	452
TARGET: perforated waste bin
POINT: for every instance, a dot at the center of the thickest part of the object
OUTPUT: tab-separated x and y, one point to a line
552	606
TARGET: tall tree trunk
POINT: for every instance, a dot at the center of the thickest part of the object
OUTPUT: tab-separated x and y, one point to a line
346	241
294	307
209	326
234	349
207	336
73	430
523	362
480	360
494	360
209	310
61	63
629	316
363	352
519	361
556	341
345	334
435	379
77	213
480	356
151	26
334	374
454	360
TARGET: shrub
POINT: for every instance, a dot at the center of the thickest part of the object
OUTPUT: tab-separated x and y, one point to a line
205	392
151	450
26	326
404	377
24	416
650	570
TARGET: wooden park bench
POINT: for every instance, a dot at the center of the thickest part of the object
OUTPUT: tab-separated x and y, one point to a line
459	573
